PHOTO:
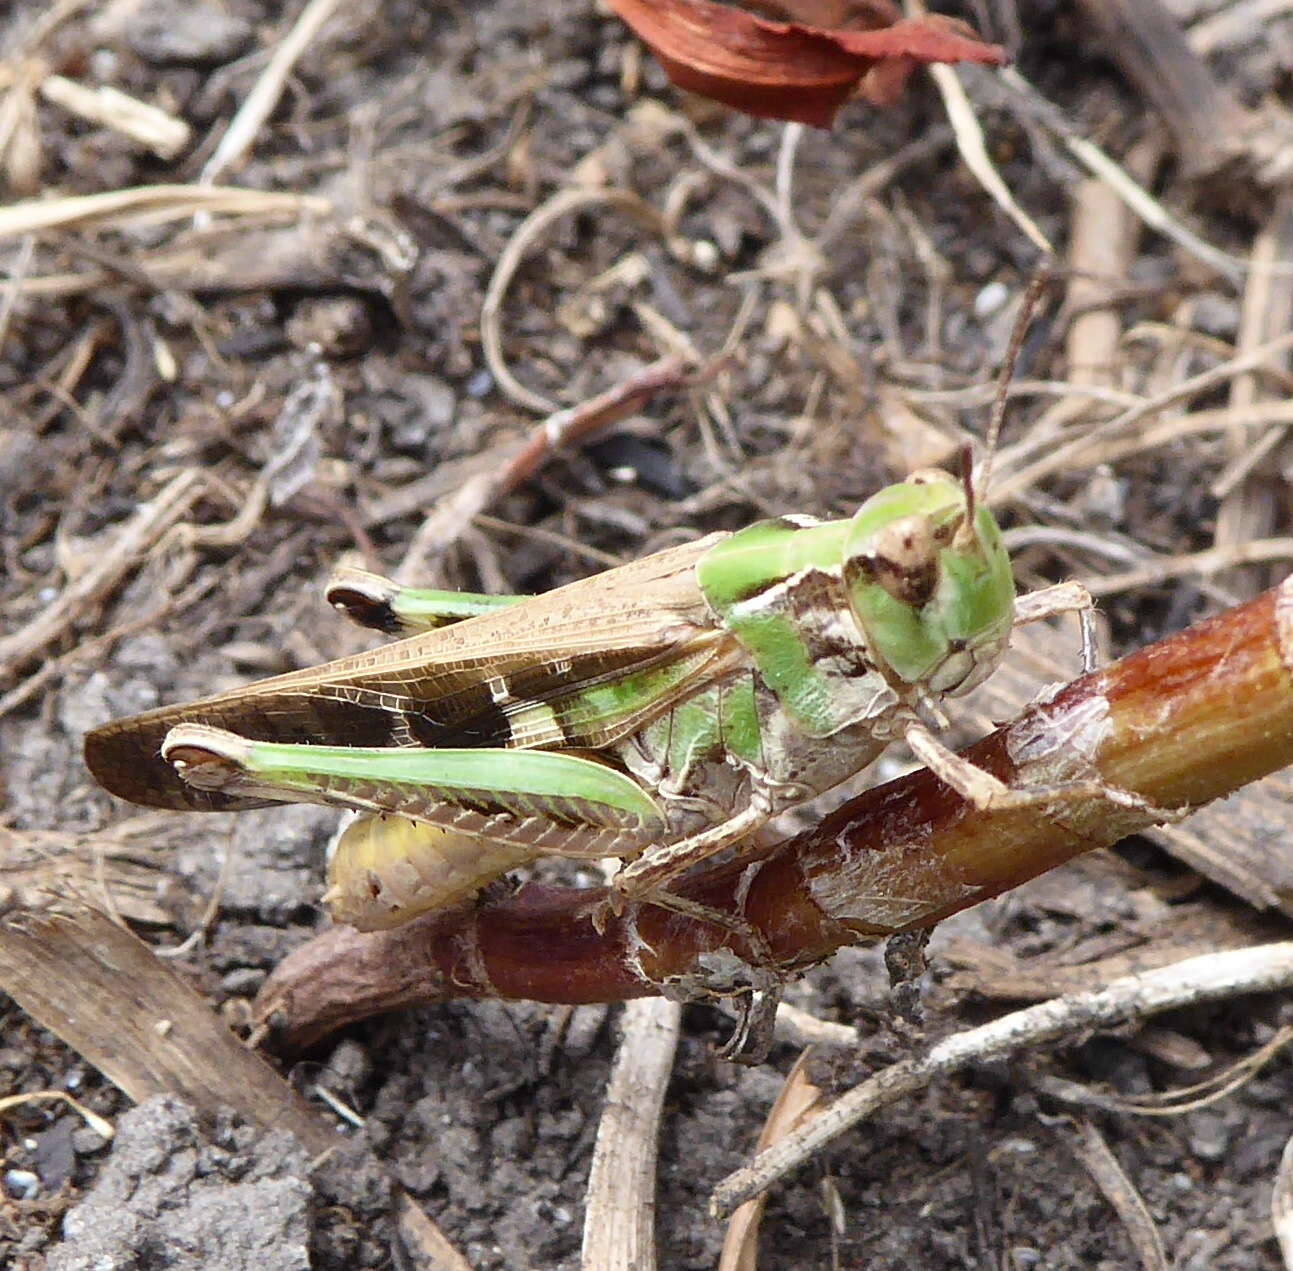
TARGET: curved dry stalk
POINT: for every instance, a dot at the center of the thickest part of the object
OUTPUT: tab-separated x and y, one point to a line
1261	969
1282	1204
519	245
1182	722
797	1102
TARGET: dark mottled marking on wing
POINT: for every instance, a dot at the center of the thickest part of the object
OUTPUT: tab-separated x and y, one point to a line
487	727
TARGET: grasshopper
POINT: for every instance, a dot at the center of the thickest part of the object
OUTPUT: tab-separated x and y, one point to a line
660	712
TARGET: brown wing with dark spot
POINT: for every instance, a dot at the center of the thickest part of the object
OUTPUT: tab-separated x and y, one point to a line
441	687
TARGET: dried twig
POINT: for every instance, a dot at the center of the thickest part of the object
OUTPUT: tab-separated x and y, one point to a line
1182	722
105	993
1214	976
127	547
573	426
1089	1147
619	1217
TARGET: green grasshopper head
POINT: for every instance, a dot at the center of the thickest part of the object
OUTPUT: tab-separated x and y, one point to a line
929	583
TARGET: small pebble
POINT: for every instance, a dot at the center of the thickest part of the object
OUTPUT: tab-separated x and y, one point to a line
244	981
21	1184
179	32
480	384
337	326
991	299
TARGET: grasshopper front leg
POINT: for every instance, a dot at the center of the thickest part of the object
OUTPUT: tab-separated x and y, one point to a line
983	789
988	793
1050	602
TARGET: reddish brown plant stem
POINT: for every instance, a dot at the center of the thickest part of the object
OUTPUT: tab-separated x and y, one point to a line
1186	720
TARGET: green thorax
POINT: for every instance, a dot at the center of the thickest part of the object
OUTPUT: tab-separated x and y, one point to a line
844	618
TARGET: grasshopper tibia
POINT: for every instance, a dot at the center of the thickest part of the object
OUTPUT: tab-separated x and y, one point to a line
1049	602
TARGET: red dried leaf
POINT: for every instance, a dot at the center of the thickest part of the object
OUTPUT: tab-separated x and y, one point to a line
788	70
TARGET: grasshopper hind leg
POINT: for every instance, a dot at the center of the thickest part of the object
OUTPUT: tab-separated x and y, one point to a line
386	606
645	881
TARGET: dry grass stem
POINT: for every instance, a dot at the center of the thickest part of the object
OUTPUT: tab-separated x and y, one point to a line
260	102
150	205
1100	165
1090	1148
97	1123
161	132
1013	477
1178	1101
1100	251
619	1221
1249	497
1201	564
970	142
1213	977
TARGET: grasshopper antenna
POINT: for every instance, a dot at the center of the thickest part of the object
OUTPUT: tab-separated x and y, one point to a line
1039	282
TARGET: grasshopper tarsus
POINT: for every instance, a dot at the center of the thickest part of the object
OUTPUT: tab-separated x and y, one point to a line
906	964
751	1041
